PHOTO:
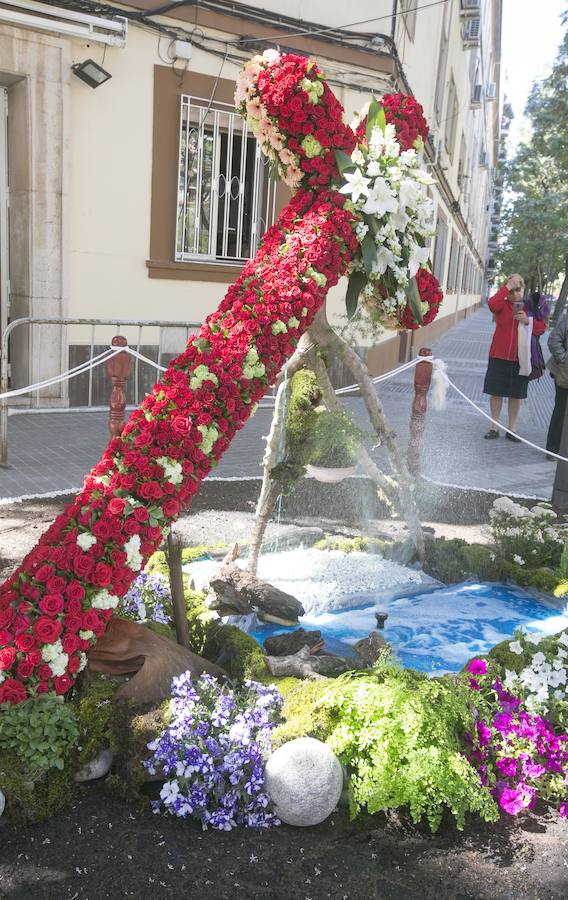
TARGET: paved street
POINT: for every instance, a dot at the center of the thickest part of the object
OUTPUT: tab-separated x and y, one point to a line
51	451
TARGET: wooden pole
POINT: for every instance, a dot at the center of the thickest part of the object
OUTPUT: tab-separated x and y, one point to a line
422	379
179	607
118	369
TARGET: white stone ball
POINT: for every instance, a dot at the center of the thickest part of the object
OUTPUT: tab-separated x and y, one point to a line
96	768
304	778
2	803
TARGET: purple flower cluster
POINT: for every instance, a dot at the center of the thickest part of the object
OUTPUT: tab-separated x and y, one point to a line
212	753
147	599
517	754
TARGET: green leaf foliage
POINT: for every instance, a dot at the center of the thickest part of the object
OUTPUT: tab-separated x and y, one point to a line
344	162
375	118
355	285
369	253
413	297
399	734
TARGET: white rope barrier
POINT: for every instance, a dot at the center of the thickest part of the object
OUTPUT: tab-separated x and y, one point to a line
439	366
499	425
145	359
65	376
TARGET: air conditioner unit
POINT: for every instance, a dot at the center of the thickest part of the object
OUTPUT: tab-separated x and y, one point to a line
470	7
471	33
476	96
491	91
483	159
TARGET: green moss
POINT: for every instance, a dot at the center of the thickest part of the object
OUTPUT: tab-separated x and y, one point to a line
303	711
200	620
355	545
135	729
35	801
96	717
238	653
158	562
454	561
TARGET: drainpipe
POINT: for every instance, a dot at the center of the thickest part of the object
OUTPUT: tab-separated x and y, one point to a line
393	22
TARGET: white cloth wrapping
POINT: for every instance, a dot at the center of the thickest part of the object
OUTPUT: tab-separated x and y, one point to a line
524	335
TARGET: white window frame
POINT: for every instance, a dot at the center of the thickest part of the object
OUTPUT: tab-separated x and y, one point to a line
211	121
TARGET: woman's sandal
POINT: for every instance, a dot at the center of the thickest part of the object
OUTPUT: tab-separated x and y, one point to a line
491	435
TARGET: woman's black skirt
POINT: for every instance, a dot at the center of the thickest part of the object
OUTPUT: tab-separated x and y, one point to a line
502	379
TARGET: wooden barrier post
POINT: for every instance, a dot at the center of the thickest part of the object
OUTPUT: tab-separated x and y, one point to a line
118	369
422	379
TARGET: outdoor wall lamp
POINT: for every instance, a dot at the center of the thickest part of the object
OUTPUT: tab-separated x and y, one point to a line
91	73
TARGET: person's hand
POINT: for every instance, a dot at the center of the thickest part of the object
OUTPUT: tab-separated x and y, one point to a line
522	317
513	283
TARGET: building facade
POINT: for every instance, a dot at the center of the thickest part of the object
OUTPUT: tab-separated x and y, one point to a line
141	199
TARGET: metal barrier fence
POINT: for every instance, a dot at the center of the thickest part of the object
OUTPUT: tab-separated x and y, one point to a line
188	327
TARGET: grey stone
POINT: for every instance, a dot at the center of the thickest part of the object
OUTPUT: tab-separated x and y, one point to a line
2	802
371	647
98	767
305	780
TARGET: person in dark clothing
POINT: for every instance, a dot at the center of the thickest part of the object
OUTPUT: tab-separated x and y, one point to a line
558	366
537	307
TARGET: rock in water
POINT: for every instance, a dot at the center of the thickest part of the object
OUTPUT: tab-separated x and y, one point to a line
292	641
96	768
371	647
304	779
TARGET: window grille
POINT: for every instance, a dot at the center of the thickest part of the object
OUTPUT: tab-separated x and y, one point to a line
225	198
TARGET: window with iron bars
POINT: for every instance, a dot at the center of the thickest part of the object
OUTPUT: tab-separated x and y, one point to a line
226	200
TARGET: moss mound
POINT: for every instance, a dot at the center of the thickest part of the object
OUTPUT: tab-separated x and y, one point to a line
303	712
238	653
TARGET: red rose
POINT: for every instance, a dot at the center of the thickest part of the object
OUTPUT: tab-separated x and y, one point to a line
72	623
102	530
6	616
170	507
102	574
43	573
25	668
70	643
62	683
35	657
90	620
82	564
20	624
42	688
44	672
74	663
25	642
181	425
12	691
141	514
51	604
55	585
116	506
74	608
74	591
47	630
7	658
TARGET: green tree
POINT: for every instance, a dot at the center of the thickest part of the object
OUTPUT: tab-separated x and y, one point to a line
534	229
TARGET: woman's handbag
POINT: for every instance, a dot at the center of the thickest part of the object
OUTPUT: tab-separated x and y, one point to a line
537	359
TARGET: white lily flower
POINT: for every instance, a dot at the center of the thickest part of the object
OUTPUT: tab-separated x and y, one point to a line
380	199
400	220
385	259
410	193
418	256
357	185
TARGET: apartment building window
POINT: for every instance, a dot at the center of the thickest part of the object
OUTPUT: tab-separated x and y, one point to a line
451	120
453	267
440	248
441	77
225	199
408	9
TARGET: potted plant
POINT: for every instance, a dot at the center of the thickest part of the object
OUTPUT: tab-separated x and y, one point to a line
334	445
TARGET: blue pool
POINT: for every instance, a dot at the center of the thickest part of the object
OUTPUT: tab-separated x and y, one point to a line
436	629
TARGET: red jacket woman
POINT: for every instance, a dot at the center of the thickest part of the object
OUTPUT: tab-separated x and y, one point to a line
503	378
